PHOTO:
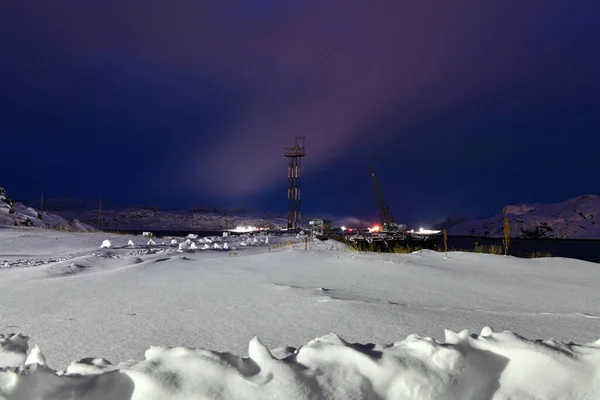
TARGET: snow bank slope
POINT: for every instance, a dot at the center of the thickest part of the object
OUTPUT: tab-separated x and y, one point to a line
576	218
18	214
486	366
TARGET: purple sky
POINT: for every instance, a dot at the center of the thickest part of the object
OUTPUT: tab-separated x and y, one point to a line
221	87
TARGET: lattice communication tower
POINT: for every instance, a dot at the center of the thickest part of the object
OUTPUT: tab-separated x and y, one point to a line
294	155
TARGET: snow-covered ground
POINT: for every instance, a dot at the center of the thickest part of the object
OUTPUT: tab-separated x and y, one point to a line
91	304
576	218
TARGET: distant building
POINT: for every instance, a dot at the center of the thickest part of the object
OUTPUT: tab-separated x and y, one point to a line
319	226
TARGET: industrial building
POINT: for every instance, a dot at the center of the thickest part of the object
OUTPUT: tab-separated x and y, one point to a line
319	226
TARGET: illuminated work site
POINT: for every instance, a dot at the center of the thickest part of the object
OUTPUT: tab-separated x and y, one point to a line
386	233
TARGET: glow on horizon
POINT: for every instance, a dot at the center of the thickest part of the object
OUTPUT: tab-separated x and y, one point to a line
245	229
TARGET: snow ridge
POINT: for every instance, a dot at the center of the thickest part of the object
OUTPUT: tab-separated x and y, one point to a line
485	366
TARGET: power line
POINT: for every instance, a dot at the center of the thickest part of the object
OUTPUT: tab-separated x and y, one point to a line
99	213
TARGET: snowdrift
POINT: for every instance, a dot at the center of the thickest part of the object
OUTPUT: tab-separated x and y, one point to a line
76	300
576	218
18	214
485	366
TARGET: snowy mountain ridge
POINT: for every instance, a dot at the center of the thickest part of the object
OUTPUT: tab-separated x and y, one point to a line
575	218
151	219
148	218
18	214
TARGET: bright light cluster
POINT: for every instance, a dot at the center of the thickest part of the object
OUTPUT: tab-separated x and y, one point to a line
427	231
243	229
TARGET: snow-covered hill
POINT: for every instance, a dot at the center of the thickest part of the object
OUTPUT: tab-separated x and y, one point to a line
18	214
449	223
576	218
148	218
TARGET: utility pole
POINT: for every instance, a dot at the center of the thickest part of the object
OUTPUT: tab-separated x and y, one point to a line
42	204
99	212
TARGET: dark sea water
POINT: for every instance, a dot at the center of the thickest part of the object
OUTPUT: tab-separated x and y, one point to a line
588	250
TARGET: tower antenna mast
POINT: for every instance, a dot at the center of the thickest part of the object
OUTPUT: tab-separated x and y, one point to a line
294	154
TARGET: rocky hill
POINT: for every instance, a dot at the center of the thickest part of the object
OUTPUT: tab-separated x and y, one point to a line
449	222
576	218
149	218
17	214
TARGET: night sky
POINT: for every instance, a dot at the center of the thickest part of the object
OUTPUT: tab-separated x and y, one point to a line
463	106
